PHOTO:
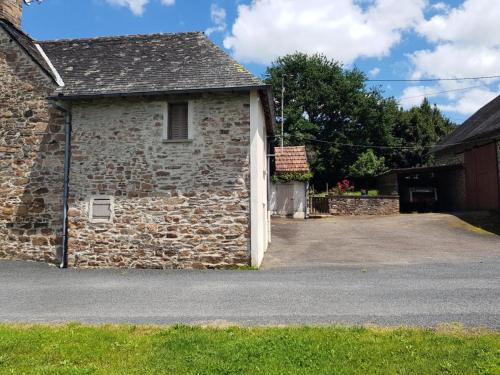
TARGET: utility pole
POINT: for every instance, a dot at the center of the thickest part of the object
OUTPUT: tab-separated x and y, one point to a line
282	105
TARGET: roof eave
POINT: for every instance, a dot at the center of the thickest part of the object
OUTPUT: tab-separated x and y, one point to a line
266	97
265	93
480	139
64	97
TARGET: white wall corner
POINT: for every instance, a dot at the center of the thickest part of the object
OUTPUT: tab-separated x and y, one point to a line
256	207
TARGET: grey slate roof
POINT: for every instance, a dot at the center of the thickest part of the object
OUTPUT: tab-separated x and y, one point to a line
27	44
482	125
145	64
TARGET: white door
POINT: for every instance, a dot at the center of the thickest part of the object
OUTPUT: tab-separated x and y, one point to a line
285	199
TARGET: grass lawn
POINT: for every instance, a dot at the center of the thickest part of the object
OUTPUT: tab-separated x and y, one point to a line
80	349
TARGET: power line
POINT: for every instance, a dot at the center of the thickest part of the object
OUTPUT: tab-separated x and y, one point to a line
439	92
366	146
384	147
433	79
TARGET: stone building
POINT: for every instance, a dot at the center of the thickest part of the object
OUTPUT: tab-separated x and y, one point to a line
144	151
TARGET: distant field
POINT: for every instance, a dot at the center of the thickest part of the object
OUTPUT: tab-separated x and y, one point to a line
79	349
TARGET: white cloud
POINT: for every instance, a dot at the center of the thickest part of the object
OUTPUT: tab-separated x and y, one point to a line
465	43
414	95
218	16
137	7
341	29
475	21
452	60
440	7
374	72
471	101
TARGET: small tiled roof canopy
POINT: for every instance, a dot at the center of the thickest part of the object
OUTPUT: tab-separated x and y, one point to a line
291	159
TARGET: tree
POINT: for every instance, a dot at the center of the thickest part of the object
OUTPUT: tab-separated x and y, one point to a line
419	128
331	111
367	165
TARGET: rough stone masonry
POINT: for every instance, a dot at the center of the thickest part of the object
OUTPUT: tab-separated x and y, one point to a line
176	205
31	159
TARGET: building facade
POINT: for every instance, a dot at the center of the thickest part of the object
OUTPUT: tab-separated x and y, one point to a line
103	166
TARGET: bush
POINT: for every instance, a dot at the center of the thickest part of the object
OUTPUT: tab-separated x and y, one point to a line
292	176
367	165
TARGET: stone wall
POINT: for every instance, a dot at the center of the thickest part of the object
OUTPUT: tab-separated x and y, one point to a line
345	205
31	159
176	205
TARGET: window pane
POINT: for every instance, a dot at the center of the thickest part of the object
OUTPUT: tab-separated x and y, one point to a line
178	121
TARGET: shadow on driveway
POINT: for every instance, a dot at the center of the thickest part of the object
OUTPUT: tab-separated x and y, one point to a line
485	220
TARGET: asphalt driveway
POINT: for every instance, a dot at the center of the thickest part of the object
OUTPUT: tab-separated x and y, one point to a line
457	279
390	240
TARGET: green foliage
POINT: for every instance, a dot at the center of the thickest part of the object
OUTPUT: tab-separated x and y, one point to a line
124	349
292	176
332	111
367	165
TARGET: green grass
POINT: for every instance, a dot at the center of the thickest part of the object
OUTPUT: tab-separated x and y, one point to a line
80	349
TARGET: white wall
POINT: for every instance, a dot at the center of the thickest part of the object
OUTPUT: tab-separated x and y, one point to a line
259	221
288	199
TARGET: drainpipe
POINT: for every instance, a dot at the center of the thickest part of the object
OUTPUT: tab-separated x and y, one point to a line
67	159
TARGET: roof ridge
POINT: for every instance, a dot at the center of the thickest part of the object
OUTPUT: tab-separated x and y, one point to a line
121	37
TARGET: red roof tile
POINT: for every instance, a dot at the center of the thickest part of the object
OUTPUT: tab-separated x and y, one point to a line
291	159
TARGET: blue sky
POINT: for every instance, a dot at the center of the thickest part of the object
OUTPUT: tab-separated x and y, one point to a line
387	39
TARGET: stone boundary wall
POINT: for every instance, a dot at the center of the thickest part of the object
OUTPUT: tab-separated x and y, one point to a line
345	205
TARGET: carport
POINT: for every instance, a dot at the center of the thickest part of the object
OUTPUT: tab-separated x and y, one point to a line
426	189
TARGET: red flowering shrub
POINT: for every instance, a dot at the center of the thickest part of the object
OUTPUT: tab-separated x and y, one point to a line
344	186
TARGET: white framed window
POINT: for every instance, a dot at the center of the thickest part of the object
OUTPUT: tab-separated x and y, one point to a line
178	121
101	209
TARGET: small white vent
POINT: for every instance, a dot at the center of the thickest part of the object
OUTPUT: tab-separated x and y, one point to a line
101	209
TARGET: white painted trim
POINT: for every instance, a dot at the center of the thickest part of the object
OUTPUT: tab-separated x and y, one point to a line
111	207
59	80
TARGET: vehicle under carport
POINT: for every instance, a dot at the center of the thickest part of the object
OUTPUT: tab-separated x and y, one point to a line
426	189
